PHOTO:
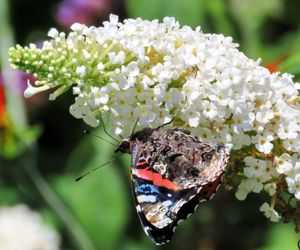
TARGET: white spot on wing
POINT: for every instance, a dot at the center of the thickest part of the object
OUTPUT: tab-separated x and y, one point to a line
146	198
179	221
196	207
161	243
138	208
147	230
212	196
218	187
167	203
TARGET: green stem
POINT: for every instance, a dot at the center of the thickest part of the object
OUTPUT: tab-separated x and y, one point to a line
76	231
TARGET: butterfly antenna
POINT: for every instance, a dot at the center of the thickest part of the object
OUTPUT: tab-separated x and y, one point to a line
165	124
169	122
104	128
93	170
98	136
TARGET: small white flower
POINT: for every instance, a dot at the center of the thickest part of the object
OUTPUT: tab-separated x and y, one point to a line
251	161
30	90
293	180
114	19
283	163
264	115
32	46
249	185
288	130
292	144
81	70
204	133
256	184
145	114
99	96
77	26
125	77
81	109
263	143
162	74
192	116
224	136
191	90
243	121
270	188
148	96
173	97
100	66
209	109
146	82
76	90
117	58
124	99
53	33
253	171
270	212
243	190
91	120
240	140
163	117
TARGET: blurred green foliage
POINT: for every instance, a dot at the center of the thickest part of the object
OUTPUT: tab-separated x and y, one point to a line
101	204
104	221
278	238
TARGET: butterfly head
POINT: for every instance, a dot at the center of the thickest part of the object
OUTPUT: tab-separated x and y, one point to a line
124	147
140	136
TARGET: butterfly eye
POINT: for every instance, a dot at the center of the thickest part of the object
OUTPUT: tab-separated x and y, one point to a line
207	156
123	147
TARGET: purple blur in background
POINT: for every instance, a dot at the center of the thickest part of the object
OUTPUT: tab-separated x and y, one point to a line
88	12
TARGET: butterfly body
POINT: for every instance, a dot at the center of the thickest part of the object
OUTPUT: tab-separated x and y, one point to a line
172	171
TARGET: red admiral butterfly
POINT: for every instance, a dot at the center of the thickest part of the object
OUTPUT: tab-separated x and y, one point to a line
172	171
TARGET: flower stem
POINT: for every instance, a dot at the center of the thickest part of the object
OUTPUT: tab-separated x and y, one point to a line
273	201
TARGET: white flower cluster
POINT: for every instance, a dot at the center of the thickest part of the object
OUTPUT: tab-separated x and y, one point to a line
151	71
21	228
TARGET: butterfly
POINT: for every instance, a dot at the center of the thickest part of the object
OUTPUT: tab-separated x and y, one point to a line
172	172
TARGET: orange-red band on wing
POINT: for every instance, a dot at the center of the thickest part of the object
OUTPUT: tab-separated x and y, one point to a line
156	178
142	163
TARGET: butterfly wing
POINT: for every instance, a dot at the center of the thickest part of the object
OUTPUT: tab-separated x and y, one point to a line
160	203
